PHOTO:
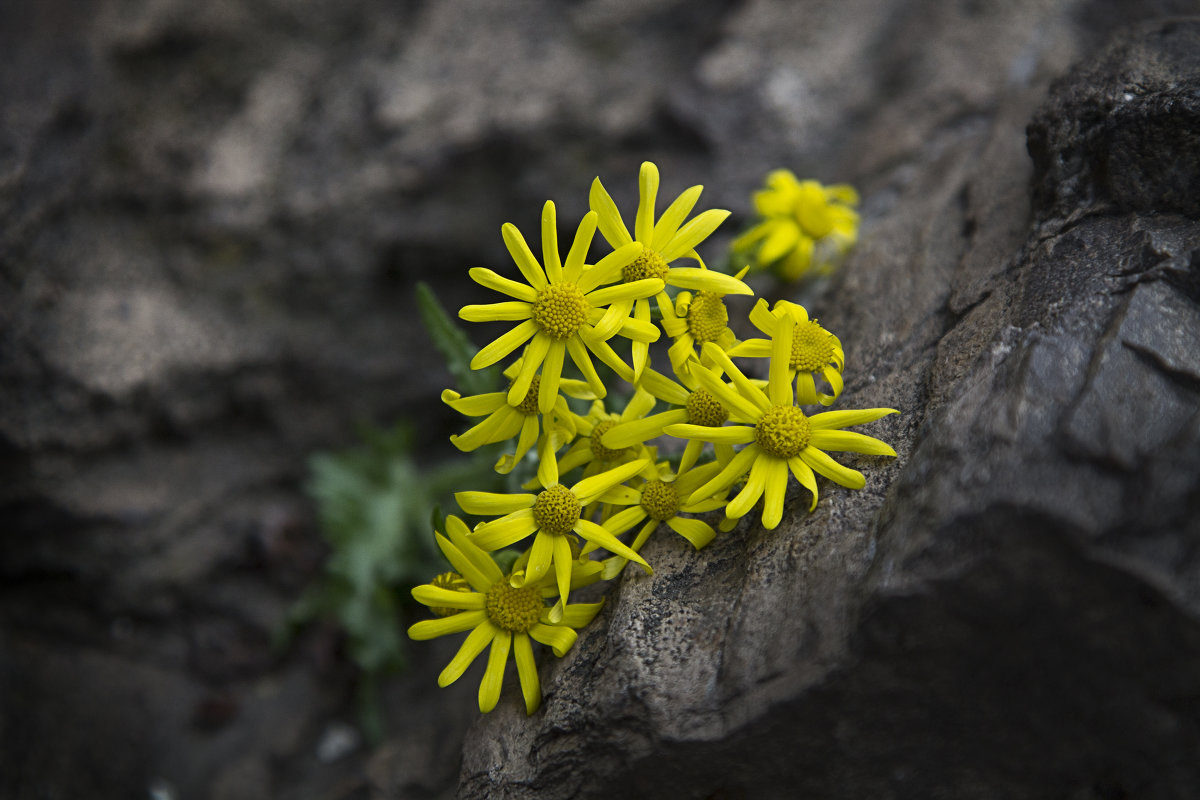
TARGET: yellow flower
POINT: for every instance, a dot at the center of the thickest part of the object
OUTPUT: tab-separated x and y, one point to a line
695	320
499	615
777	437
805	226
693	405
560	309
503	421
814	349
662	242
590	452
661	500
553	514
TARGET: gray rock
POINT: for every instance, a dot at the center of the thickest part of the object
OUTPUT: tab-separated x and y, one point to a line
1010	608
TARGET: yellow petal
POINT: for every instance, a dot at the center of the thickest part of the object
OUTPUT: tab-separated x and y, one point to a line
457	623
557	637
668	224
550	256
706	280
523	256
830	420
693	233
502	532
503	345
774	492
643	226
471	647
493	676
696	531
435	596
496	282
490	504
850	442
611	226
824	465
804	474
527	672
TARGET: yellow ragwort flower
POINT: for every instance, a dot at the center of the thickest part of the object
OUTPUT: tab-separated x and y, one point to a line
503	421
551	516
814	350
590	452
662	242
777	436
497	614
659	500
559	310
805	226
694	320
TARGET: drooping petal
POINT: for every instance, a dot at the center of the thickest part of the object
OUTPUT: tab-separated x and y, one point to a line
541	557
531	688
696	531
581	359
482	433
503	345
805	475
580	615
563	561
535	354
737	466
775	490
493	676
823	464
470	649
551	373
597	534
756	483
559	638
625	519
456	623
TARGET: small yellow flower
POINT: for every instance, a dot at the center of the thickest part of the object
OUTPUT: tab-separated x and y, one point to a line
591	452
559	310
662	242
551	515
814	350
805	226
777	436
661	500
694	320
503	421
499	615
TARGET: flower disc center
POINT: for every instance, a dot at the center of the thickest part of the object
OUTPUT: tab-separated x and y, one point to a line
647	265
455	583
529	406
707	317
560	310
556	510
515	610
704	409
812	347
782	431
599	451
660	500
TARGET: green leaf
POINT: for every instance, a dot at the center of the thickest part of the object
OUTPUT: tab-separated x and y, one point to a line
453	344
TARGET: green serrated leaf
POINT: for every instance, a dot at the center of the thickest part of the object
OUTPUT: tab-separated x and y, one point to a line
452	342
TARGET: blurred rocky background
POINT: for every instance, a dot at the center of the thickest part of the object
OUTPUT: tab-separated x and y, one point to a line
212	217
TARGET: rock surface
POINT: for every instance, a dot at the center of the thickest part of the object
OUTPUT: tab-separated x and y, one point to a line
211	217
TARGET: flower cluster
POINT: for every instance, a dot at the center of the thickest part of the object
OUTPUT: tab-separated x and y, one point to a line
597	488
805	227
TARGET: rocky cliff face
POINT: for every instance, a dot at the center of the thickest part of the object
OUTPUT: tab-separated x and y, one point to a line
210	221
